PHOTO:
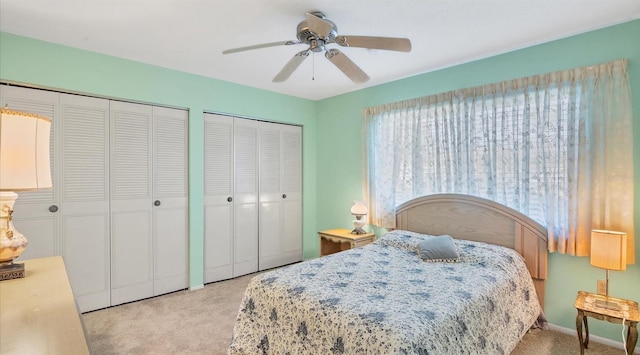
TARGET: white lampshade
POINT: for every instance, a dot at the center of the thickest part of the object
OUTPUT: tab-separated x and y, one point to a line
609	250
24	151
359	208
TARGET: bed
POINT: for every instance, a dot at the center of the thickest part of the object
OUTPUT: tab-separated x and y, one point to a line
384	299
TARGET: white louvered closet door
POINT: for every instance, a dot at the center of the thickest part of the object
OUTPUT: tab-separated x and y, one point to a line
170	199
84	198
291	242
280	195
271	196
218	197
32	216
131	202
245	145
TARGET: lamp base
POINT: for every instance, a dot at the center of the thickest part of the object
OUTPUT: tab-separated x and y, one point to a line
11	271
608	305
12	242
358	223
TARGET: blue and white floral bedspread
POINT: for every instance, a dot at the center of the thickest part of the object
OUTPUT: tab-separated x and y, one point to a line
383	299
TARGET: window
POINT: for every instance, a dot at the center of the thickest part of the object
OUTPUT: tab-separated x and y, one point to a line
533	144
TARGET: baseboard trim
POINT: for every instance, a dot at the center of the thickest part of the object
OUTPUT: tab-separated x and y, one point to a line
196	287
597	339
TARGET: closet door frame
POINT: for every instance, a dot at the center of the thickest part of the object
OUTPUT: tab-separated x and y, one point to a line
258	224
61	221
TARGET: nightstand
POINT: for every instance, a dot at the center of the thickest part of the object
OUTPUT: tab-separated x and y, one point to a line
586	306
335	240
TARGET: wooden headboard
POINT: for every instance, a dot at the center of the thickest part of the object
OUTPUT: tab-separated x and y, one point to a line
473	218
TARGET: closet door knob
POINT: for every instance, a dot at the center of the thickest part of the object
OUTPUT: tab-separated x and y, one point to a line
157	203
53	208
284	195
229	199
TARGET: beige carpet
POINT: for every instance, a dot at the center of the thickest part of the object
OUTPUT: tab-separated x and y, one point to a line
201	322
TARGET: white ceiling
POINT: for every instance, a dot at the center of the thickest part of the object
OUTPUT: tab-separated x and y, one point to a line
190	35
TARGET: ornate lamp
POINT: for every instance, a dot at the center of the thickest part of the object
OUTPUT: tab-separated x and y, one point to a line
24	165
359	210
608	251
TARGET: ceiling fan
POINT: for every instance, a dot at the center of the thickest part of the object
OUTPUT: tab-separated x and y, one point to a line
317	32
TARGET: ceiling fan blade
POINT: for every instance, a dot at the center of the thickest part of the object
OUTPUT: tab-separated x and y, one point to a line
347	66
291	66
386	43
318	25
258	46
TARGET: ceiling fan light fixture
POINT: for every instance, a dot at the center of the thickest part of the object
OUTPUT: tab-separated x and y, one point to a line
316	45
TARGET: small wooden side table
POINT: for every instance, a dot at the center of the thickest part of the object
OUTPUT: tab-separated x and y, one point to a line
335	240
586	306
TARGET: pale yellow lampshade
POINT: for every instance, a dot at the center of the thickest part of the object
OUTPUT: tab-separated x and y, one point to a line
24	151
609	250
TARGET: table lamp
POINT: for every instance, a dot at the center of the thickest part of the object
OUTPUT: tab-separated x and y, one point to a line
359	210
24	165
609	252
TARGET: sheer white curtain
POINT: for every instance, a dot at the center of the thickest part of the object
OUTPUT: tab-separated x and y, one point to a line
557	147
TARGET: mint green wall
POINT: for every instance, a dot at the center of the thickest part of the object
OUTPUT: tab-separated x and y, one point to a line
332	130
45	65
340	156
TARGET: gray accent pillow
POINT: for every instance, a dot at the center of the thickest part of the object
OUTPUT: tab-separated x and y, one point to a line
440	248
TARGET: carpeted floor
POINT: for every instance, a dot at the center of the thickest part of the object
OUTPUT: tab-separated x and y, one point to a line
201	322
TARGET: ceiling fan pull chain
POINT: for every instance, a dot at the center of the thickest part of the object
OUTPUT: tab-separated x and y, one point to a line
313	66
